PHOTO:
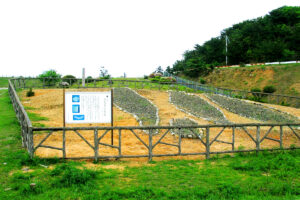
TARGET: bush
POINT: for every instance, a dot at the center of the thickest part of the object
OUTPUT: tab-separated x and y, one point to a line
146	77
269	89
30	93
69	79
202	81
50	77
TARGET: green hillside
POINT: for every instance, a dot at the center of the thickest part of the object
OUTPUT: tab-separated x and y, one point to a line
285	78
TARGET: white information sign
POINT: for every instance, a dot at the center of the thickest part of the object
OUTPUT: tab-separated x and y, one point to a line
88	107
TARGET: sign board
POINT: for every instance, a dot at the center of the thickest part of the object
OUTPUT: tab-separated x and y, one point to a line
88	107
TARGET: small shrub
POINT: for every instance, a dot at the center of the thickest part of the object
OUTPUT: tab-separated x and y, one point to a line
255	93
269	89
242	64
202	81
30	93
146	77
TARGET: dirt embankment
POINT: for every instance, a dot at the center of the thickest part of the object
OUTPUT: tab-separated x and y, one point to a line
285	78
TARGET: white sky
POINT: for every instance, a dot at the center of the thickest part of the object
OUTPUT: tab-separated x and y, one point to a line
132	36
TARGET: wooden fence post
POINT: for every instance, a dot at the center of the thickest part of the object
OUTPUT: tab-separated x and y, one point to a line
207	144
150	145
30	146
179	142
120	143
64	144
281	134
257	138
233	137
96	144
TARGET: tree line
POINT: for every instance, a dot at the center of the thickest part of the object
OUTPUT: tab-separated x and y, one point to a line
274	37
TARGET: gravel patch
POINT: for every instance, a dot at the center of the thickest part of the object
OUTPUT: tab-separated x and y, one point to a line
186	133
251	110
130	101
197	106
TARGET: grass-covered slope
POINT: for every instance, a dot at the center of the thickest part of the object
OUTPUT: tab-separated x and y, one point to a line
196	106
133	103
245	176
251	110
285	78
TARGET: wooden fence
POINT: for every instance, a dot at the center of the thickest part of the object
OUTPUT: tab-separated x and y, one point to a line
180	85
152	141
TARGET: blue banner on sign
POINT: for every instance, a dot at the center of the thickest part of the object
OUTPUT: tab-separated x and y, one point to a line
78	117
75	109
75	98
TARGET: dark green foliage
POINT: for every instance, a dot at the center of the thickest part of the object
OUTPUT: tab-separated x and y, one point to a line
50	77
69	175
30	93
146	77
202	81
69	79
163	80
269	89
265	39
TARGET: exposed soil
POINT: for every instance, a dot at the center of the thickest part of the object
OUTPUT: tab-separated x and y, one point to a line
48	103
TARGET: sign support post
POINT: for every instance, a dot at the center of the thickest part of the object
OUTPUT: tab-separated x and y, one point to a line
112	116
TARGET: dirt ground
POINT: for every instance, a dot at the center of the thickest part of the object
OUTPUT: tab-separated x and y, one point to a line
49	103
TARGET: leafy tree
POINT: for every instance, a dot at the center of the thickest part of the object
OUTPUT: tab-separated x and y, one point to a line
273	37
50	77
104	73
69	79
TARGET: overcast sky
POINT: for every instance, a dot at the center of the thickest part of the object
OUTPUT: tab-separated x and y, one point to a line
131	36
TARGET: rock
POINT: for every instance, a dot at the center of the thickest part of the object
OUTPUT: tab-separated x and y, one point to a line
64	84
45	166
5	163
25	169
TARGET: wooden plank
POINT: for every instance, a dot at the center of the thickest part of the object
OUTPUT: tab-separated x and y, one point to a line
161	137
273	139
249	134
84	139
267	133
294	132
43	140
50	147
217	136
140	139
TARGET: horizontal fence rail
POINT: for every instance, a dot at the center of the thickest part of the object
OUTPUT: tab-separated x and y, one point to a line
180	85
25	123
256	133
151	138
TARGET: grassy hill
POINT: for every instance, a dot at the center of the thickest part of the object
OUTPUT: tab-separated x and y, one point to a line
285	78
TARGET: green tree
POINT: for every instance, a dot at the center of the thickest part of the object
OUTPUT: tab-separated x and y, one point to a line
50	77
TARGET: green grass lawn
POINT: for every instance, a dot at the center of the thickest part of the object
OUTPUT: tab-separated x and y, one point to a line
3	82
245	176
